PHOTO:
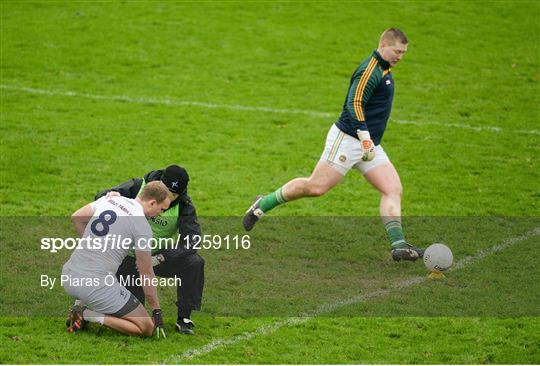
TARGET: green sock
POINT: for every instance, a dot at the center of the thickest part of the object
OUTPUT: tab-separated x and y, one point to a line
395	234
272	200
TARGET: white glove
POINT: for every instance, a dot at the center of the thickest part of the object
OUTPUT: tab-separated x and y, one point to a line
157	260
368	147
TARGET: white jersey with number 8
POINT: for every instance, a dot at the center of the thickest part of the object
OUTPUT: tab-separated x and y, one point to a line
117	225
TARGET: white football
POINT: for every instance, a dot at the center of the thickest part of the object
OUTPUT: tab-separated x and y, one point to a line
438	257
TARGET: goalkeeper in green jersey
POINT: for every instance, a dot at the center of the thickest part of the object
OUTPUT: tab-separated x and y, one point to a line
354	141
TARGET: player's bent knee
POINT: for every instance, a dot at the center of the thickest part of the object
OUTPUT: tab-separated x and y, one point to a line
147	327
393	191
317	190
396	192
195	260
139	317
148	331
200	260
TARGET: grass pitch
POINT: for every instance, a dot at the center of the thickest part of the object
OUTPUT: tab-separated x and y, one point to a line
242	95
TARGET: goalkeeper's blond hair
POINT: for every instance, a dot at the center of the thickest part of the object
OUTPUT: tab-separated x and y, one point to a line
393	35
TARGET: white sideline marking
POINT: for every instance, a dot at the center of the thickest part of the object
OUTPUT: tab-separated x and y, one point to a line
237	107
328	308
166	101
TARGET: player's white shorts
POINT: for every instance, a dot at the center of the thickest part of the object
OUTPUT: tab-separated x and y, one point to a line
343	152
100	293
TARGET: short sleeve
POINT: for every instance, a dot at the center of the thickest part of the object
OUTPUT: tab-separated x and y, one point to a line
95	204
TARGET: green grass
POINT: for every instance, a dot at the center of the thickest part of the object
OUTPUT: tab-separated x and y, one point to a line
328	340
470	83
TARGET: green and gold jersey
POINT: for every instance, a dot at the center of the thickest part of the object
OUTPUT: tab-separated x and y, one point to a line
369	98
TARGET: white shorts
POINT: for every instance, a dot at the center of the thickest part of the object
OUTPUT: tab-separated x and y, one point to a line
343	152
100	293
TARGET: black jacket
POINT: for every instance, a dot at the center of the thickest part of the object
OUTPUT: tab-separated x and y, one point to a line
188	224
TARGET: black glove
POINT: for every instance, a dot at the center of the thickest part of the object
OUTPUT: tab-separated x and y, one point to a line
157	317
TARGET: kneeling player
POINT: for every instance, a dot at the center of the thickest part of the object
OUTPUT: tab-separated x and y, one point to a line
102	299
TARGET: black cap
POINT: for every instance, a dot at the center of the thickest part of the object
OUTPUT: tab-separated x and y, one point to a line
175	178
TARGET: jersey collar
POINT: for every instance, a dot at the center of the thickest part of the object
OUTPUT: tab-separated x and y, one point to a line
384	64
